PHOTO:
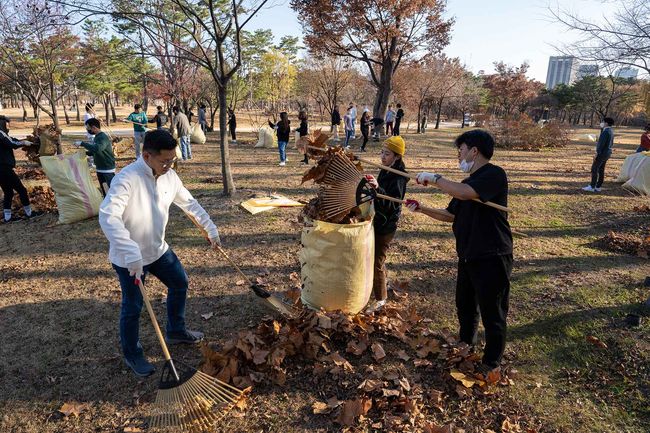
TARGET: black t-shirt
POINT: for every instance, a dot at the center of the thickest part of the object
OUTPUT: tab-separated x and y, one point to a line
480	230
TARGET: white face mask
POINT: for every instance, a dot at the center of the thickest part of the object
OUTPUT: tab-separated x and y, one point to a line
602	124
465	166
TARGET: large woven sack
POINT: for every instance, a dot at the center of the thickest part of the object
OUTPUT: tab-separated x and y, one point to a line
635	172
77	197
197	135
48	145
337	265
266	137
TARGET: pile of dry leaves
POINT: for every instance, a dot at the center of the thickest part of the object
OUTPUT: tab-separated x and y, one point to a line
629	243
30	173
123	146
387	371
41	198
46	139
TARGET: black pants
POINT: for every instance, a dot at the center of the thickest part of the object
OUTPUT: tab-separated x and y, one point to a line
483	286
598	170
365	132
396	128
9	182
382	244
105	178
233	133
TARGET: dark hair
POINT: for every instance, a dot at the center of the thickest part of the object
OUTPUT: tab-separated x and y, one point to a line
284	119
202	106
159	108
478	138
302	115
157	140
609	121
137	106
89	106
93	122
647	127
176	109
399	105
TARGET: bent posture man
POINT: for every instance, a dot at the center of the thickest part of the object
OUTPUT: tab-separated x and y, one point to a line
133	217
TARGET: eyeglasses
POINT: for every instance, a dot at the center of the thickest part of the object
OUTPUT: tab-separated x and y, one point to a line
169	162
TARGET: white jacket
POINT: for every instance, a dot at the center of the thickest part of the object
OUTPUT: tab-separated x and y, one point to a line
135	211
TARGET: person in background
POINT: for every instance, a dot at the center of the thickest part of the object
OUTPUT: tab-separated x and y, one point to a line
603	152
232	125
139	120
353	114
398	119
203	122
89	114
377	127
365	129
389	119
9	181
423	124
387	213
101	149
303	130
282	129
336	121
133	217
483	243
160	119
182	125
349	127
645	140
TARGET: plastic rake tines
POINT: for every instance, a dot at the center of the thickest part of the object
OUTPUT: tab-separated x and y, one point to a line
343	188
190	402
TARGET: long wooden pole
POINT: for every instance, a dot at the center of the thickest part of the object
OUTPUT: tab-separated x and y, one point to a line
414	176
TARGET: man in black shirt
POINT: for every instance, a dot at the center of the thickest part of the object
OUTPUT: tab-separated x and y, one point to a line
483	242
398	119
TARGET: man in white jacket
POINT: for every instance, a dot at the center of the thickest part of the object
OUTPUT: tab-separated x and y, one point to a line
133	217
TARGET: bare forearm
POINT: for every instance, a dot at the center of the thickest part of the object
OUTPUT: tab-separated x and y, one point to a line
457	190
438	214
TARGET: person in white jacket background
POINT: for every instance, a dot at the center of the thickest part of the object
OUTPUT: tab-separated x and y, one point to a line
133	216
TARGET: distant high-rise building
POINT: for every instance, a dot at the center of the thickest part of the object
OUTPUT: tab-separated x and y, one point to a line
586	71
561	70
627	72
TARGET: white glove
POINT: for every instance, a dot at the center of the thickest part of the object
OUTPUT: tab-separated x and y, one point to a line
215	241
372	181
25	143
135	269
77	143
425	178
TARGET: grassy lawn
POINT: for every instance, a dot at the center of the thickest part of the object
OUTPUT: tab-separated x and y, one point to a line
59	297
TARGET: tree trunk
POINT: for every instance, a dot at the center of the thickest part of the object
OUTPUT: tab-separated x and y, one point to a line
462	122
113	115
55	113
22	101
382	96
228	182
76	103
438	113
106	98
65	113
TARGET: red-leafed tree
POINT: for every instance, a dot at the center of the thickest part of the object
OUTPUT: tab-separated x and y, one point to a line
509	88
380	33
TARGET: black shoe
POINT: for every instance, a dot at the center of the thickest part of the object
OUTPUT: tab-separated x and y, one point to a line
185	337
141	367
36	213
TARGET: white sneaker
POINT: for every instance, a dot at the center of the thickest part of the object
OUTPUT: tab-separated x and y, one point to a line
375	306
282	164
589	188
598	189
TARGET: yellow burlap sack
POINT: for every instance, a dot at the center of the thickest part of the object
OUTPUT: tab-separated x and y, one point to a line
197	135
266	137
77	197
635	172
337	265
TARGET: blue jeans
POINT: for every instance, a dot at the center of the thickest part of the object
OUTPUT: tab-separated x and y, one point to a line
282	148
138	140
186	147
169	270
641	149
348	136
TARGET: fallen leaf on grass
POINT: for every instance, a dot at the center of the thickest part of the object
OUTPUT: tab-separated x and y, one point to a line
596	341
207	316
357	347
240	282
509	426
370	385
377	351
434	428
73	408
467	381
401	354
259	356
352	409
390	392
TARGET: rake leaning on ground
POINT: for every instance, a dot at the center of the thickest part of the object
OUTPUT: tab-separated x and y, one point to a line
188	400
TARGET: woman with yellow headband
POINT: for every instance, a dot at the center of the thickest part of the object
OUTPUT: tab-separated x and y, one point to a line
387	213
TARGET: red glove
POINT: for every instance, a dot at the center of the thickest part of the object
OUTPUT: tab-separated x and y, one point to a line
412	205
372	181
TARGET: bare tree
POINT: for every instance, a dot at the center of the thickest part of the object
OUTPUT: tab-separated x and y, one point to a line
622	39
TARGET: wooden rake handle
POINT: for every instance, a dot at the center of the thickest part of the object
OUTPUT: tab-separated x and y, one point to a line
426	208
415	176
135	123
154	321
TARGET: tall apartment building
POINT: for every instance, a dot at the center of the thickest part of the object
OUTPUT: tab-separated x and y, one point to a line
627	72
586	71
561	70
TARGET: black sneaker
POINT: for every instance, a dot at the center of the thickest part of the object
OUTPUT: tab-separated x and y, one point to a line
185	337
141	367
36	213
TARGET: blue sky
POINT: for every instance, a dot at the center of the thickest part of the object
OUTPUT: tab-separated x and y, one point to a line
485	31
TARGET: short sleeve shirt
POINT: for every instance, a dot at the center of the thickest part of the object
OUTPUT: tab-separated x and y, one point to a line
480	230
